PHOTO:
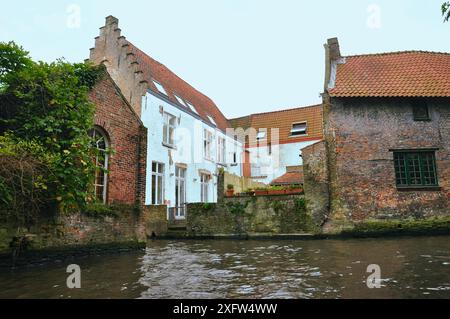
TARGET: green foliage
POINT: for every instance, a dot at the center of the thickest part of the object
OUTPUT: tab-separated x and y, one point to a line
237	209
446	11
13	58
47	103
230	187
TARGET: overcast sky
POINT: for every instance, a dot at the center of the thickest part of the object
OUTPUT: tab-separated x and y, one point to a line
249	56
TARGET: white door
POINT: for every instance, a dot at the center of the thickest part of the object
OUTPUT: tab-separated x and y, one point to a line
180	193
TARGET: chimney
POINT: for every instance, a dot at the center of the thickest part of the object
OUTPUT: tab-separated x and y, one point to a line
333	57
334	50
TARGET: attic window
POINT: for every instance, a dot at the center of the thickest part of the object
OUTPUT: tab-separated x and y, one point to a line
420	111
212	120
192	108
261	135
180	100
160	87
299	129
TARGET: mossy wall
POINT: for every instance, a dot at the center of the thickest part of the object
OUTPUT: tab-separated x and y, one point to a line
250	215
105	226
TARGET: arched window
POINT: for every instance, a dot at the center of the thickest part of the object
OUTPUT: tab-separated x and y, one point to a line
101	143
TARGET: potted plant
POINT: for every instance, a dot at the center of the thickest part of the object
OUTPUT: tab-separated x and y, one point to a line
250	192
261	191
230	190
294	190
277	190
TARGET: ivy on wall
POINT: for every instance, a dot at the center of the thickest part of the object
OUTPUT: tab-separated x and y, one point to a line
45	116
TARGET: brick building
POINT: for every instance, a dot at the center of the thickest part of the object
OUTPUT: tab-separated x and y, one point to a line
117	126
386	148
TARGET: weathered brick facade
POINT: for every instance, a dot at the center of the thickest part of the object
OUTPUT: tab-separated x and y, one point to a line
369	106
128	140
361	135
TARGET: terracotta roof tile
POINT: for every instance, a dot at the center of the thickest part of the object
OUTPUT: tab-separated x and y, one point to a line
283	120
153	70
290	178
398	74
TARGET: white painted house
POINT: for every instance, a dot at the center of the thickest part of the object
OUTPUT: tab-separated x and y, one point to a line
185	153
186	142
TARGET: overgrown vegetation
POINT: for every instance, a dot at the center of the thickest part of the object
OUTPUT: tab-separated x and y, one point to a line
45	149
446	11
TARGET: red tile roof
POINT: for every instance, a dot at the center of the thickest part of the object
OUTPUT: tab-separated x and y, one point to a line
283	120
290	178
398	74
153	70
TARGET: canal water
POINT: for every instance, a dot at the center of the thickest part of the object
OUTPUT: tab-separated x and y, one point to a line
410	268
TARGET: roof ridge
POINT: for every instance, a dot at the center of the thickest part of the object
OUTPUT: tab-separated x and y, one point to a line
279	111
397	52
174	74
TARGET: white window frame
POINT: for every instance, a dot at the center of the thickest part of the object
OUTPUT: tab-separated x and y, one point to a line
181	190
158	199
207	144
205	180
169	129
297	132
221	150
99	136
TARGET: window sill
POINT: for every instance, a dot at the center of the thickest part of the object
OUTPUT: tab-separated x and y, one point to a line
169	146
419	188
300	135
422	120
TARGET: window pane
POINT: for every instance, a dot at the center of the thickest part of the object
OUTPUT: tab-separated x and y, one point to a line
415	169
299	129
154	190
165	133
160	190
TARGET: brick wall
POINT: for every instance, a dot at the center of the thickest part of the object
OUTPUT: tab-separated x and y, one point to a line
128	138
360	134
316	181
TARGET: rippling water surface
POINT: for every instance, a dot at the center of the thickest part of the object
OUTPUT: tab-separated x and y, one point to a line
411	268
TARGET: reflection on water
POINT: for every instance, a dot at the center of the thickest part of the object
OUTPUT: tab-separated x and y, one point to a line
411	268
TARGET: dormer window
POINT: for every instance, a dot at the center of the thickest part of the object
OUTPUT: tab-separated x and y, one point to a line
212	120
180	100
192	107
420	111
160	87
299	129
